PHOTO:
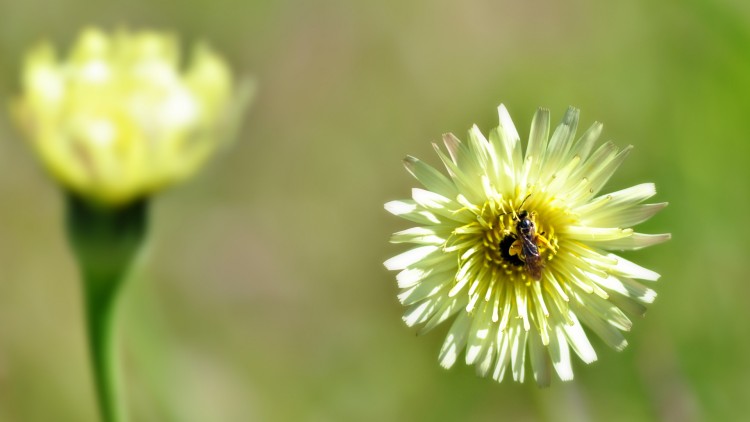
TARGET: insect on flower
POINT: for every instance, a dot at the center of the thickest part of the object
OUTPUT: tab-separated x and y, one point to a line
526	245
517	246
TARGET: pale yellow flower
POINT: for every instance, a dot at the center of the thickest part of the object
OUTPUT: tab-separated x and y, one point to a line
120	117
507	297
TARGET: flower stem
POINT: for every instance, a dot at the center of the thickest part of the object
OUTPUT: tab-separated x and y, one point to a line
104	240
100	306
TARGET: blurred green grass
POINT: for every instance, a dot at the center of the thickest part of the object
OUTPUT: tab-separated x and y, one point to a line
262	295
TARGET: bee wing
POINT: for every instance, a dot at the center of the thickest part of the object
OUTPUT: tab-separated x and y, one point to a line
529	247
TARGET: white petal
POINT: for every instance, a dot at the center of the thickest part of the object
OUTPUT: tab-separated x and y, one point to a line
560	354
560	142
419	235
629	305
453	145
627	268
430	286
586	142
634	242
632	195
469	184
611	335
503	355
624	216
480	150
479	335
466	274
432	179
603	310
448	308
518	350
409	210
602	174
506	123
603	155
463	155
591	255
485	360
538	136
410	257
629	288
505	175
455	341
578	340
507	145
584	233
411	276
417	313
434	202
540	361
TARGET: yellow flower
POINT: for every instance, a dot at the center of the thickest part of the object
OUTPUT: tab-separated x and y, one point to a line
516	246
118	118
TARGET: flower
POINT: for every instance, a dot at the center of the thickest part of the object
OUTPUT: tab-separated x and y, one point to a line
517	247
119	119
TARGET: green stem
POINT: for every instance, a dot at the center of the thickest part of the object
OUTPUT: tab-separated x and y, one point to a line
104	240
100	310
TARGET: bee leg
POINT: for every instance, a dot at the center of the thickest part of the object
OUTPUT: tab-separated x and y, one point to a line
546	242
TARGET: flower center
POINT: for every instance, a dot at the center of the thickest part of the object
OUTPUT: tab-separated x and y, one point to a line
498	240
513	243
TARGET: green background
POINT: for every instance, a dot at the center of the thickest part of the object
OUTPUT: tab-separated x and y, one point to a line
262	295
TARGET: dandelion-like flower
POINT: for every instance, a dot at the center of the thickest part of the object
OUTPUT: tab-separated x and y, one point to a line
115	121
118	118
516	246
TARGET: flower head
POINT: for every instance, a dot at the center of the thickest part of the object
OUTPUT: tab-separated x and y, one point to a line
118	118
515	246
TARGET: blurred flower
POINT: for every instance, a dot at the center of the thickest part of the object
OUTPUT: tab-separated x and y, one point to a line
516	247
119	119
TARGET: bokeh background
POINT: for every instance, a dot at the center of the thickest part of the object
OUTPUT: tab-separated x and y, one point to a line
262	294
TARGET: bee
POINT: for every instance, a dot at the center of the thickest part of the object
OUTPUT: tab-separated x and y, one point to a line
526	245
